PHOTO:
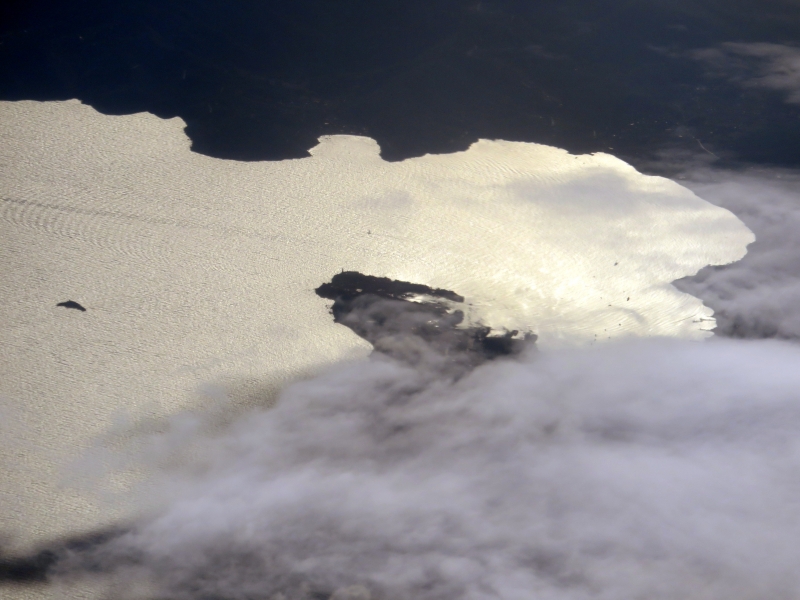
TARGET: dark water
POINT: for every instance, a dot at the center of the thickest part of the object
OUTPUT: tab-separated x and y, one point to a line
256	79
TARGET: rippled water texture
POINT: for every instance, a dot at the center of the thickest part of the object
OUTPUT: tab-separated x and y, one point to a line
197	271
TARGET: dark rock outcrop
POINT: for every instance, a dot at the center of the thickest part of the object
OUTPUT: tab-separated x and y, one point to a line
71	304
400	318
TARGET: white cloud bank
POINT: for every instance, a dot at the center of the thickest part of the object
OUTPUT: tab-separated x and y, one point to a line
656	469
764	65
758	296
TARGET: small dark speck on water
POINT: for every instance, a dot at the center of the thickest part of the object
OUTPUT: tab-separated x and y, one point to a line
71	304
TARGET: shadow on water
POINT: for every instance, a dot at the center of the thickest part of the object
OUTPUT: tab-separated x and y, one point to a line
36	567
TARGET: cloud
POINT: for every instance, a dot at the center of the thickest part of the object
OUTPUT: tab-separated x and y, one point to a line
759	65
758	296
654	468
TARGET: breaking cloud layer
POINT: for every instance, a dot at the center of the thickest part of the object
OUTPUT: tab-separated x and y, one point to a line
764	65
656	469
758	296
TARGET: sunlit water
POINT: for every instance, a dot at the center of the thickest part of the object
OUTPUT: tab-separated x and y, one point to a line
198	274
